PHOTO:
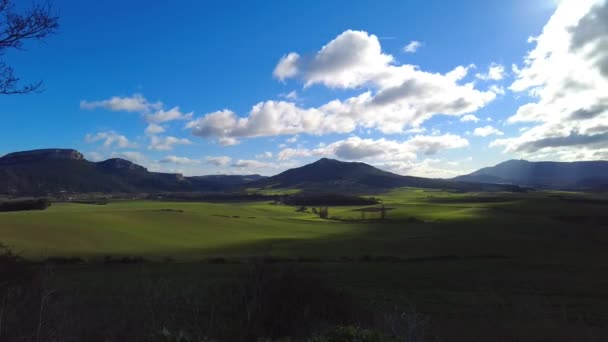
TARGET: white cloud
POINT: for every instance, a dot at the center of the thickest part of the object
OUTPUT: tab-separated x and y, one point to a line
336	66
266	155
290	153
94	156
219	161
486	131
566	75
429	168
228	141
498	90
178	160
433	144
159	143
168	115
412	46
292	139
110	139
152	112
355	148
496	72
251	164
287	66
469	118
154	129
292	95
399	95
135	103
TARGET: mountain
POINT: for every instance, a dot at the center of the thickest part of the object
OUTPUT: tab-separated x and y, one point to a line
329	175
583	175
40	172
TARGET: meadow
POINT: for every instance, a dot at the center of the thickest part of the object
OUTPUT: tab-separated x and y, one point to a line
472	262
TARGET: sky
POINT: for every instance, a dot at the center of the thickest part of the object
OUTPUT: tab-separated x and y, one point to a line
426	88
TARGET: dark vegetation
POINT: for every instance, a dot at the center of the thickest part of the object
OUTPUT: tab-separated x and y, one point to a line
266	299
327	199
25	204
269	302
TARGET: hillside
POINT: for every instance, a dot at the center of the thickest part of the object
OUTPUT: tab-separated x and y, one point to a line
41	172
583	175
329	175
46	171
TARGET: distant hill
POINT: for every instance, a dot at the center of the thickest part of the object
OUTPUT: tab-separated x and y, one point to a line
51	171
40	172
583	175
329	175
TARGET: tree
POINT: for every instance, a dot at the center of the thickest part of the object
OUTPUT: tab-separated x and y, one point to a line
35	23
324	212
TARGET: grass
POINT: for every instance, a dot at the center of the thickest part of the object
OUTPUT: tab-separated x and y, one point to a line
422	223
523	258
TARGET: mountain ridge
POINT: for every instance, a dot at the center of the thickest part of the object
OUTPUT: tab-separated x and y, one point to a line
66	170
330	175
40	172
578	175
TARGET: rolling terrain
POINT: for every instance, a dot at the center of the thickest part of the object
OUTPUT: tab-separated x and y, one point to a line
52	171
583	175
507	261
330	175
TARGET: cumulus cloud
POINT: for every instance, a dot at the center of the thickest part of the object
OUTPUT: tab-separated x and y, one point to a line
412	46
219	161
251	164
469	118
429	167
565	76
356	148
287	66
496	72
266	155
352	59
178	160
135	103
486	131
110	139
168	115
152	112
160	143
154	129
398	95
401	157
292	95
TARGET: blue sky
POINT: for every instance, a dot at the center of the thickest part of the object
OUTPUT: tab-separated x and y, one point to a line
205	87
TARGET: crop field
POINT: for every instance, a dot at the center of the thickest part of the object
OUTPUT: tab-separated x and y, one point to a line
462	258
421	224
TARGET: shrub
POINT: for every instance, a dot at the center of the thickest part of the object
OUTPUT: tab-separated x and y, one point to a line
277	302
25	204
351	334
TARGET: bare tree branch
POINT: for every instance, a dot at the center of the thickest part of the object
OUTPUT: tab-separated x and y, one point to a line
35	23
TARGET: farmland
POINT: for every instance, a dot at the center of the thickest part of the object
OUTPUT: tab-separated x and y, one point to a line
461	258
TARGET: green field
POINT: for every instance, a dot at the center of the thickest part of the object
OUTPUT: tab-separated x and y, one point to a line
423	223
461	258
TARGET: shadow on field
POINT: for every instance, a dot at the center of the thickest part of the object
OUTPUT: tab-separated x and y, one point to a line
510	274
